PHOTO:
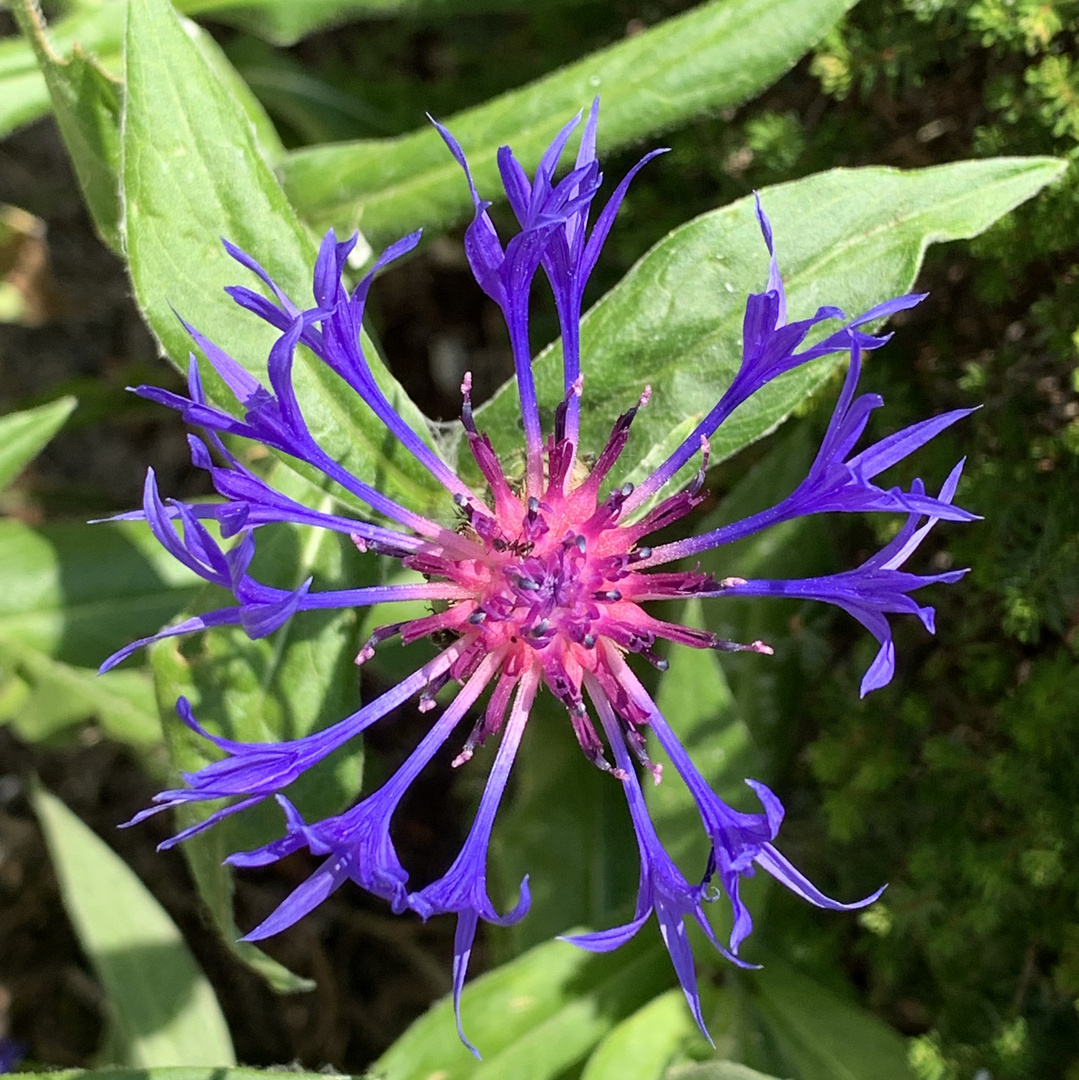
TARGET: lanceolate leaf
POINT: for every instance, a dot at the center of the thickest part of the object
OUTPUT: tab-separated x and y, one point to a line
23	435
70	595
78	592
193	174
536	1016
164	1008
848	237
716	55
59	695
715	1070
79	62
24	95
298	680
178	1073
818	1035
640	1047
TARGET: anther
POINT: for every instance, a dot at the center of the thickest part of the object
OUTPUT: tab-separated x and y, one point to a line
477	616
582	544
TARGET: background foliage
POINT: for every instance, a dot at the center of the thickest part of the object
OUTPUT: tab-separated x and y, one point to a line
957	784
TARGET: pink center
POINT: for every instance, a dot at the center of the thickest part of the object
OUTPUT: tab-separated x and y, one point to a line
552	586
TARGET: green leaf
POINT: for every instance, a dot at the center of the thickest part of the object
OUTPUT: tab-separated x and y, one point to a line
85	96
24	91
180	1074
192	174
23	435
642	1045
60	695
265	134
297	681
715	1070
567	827
714	56
284	22
536	1016
819	1035
69	596
847	237
164	1008
76	593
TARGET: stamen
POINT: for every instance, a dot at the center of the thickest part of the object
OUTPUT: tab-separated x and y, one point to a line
380	634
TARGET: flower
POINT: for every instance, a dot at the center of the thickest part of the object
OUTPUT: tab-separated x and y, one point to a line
541	584
11	1053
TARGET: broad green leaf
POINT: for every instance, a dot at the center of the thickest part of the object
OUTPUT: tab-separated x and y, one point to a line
819	1035
298	680
162	1004
24	94
847	237
23	435
716	55
69	596
85	96
265	134
534	1017
284	22
192	174
77	593
180	1073
568	828
642	1045
715	1070
60	695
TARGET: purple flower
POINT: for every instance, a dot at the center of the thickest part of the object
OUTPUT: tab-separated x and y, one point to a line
11	1053
541	584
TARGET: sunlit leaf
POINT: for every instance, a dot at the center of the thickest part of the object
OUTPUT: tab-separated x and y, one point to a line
848	237
162	1004
193	174
23	435
60	695
819	1035
78	592
716	55
714	1070
536	1016
642	1045
299	680
74	66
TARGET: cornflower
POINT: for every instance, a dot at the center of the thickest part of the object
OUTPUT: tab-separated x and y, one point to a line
540	584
